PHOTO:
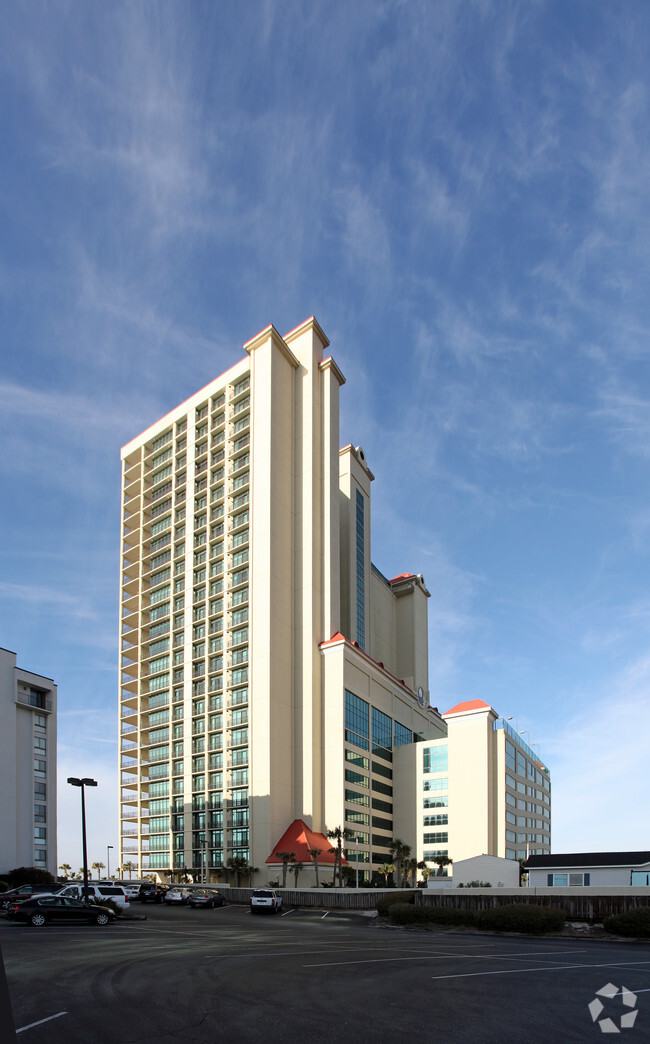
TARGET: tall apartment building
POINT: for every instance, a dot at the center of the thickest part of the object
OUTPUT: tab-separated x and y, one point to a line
479	790
27	767
268	670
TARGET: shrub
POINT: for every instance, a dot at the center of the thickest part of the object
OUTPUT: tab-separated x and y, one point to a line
111	904
23	875
402	913
633	923
385	903
521	917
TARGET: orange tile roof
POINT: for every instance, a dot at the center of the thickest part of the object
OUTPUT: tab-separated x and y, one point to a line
468	705
402	576
298	838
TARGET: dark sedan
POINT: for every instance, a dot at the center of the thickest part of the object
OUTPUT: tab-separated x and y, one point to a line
27	892
52	909
211	899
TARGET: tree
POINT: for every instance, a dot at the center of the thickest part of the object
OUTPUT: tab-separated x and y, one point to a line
250	869
98	867
339	834
442	861
28	875
236	865
286	858
426	872
296	867
400	852
385	870
314	853
66	868
129	867
411	867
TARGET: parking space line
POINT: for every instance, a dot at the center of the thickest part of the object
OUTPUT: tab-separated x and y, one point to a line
286	913
554	967
439	956
324	915
41	1021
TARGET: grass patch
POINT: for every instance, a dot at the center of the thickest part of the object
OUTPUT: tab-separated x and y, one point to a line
529	919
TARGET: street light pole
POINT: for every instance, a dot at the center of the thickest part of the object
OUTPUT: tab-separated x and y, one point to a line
356	841
83	783
108	861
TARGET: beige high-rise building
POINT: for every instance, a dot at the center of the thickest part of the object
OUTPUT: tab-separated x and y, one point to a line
27	767
479	790
268	670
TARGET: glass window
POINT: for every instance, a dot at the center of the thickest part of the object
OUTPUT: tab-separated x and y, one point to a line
435	758
402	735
382	728
357	724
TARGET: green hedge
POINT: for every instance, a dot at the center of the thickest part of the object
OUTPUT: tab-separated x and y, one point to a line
522	917
402	913
385	903
634	923
533	920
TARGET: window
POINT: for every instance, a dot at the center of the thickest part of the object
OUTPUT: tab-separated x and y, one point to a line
440	801
356	778
435	758
382	729
357	725
402	735
510	755
357	759
436	784
437	838
438	820
356	799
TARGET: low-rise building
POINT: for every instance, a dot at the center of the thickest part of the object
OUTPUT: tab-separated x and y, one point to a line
583	869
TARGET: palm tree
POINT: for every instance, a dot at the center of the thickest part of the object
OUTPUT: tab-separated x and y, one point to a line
237	866
286	858
98	867
130	867
422	866
250	869
296	867
339	834
442	861
411	867
314	853
385	870
400	852
67	869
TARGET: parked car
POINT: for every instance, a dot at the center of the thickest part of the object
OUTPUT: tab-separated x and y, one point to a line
205	897
97	892
177	894
132	889
47	909
26	892
265	899
151	893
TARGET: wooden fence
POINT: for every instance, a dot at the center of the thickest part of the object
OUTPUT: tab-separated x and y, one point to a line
580	905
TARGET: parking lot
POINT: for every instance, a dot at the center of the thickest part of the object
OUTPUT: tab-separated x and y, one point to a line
208	975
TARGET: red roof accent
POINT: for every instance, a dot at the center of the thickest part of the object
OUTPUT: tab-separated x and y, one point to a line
402	576
298	838
468	705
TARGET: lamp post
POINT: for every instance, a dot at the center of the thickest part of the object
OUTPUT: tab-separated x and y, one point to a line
525	732
356	856
513	717
108	861
83	783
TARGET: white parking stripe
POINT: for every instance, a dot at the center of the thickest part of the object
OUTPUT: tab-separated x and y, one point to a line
445	956
555	967
287	912
41	1021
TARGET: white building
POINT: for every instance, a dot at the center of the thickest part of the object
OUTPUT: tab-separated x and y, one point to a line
268	671
27	767
589	869
479	789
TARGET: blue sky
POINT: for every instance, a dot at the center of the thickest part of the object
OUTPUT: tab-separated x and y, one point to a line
459	192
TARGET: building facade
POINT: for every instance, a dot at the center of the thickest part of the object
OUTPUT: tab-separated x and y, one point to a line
479	790
268	671
27	767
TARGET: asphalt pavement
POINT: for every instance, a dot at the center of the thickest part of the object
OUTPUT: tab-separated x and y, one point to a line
306	976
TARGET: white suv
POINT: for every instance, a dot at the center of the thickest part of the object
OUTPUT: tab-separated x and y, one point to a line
265	899
97	892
